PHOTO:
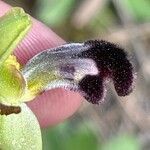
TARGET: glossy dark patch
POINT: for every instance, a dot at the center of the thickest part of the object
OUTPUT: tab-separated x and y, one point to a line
92	88
68	68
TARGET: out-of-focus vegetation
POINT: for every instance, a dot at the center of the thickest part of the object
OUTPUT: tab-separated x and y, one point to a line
119	123
68	136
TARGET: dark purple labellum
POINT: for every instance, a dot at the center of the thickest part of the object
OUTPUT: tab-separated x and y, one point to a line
112	62
84	67
92	88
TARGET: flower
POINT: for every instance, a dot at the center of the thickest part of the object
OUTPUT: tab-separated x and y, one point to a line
82	67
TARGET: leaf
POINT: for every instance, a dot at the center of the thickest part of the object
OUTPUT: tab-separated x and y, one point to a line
12	84
74	136
54	12
20	131
13	27
139	9
122	142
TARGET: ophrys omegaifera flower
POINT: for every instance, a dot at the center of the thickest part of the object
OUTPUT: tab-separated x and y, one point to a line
82	67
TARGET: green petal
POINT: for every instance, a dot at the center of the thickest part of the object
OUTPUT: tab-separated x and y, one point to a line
20	131
12	85
13	27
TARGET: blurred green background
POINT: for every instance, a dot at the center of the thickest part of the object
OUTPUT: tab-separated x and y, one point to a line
119	123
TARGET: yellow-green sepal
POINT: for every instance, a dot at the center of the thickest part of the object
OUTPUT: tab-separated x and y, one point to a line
12	84
13	27
20	131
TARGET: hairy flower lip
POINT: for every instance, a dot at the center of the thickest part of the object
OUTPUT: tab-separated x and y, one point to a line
7	110
83	67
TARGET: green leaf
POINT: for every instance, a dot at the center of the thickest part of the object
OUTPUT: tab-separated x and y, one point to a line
12	85
54	12
122	142
13	27
74	136
20	131
140	9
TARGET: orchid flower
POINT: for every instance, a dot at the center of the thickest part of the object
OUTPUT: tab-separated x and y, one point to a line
81	67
